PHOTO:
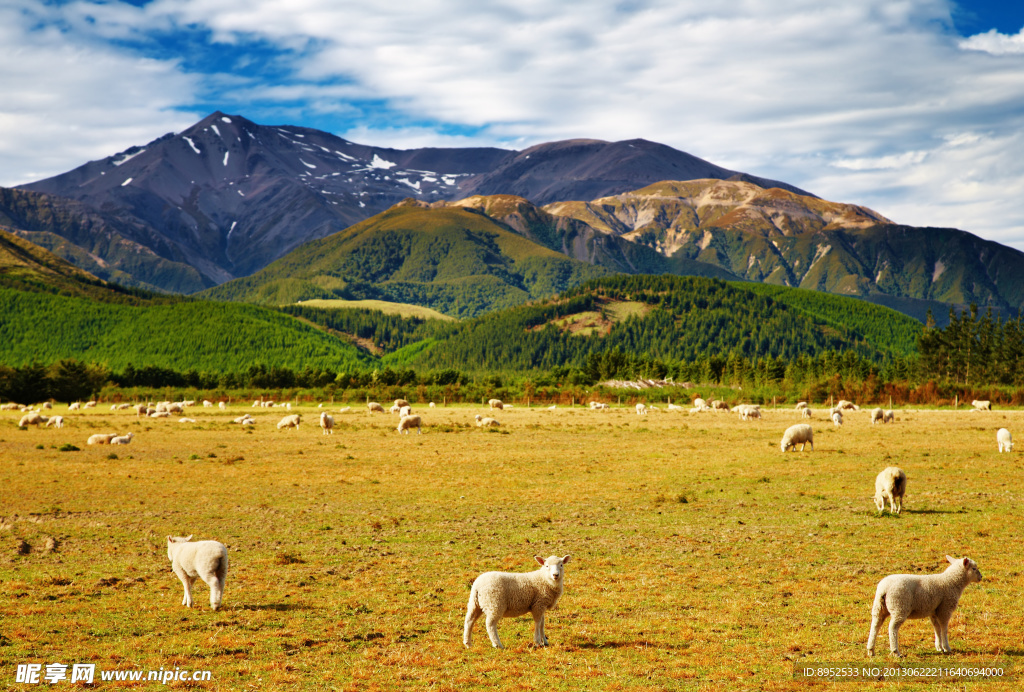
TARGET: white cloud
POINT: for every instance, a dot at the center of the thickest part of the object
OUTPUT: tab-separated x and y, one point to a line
873	102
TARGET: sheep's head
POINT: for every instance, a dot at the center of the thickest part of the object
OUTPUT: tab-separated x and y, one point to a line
968	565
553	566
173	542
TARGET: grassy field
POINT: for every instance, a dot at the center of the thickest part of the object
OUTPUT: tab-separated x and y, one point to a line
400	309
703	558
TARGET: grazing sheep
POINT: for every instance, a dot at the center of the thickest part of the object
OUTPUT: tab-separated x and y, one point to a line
55	421
552	407
641	410
31	419
495	404
207	403
327	423
748	411
89	404
801	405
11	406
122	439
288	406
207	560
1003	438
431	404
400	403
141	410
249	421
186	420
891	484
805	412
482	422
160	414
674	407
888	416
844	405
717	405
799	434
100	438
346	409
221	405
497	595
981	405
75	406
912	597
876	415
47	404
176	407
242	419
409	422
374	406
699	403
256	404
291	421
598	406
837	418
404	411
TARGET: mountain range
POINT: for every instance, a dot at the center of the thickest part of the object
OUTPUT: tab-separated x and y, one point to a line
305	214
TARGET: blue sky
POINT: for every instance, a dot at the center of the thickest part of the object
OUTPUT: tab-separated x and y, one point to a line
913	108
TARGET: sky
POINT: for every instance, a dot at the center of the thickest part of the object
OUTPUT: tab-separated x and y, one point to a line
914	108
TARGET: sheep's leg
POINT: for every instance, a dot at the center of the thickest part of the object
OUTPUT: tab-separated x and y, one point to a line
492	630
473	612
216	591
944	624
894	634
538	629
937	626
877	620
186	581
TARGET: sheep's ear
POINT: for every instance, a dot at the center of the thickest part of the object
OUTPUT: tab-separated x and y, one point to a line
565	560
539	559
170	539
189	537
951	560
967	563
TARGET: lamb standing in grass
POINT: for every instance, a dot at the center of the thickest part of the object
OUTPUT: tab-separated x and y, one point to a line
32	419
122	439
207	560
876	415
374	406
800	434
641	410
408	423
55	421
327	423
981	405
496	404
805	412
1003	439
888	416
498	595
890	484
912	597
837	418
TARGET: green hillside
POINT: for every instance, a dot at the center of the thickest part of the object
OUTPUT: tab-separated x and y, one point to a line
194	335
886	329
664	318
455	261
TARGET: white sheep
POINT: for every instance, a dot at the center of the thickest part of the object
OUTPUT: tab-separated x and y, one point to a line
327	423
141	410
890	484
801	405
805	412
641	410
408	423
344	409
675	407
55	421
122	439
288	406
221	405
374	406
207	560
482	422
100	438
497	595
89	404
912	597
717	405
404	411
249	421
242	419
748	411
700	403
1003	439
400	403
844	405
256	404
837	418
186	420
799	434
160	414
495	404
888	416
207	403
876	415
432	404
75	406
47	404
291	421
32	419
981	405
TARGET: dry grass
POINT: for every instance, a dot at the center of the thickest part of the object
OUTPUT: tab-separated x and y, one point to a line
401	309
703	558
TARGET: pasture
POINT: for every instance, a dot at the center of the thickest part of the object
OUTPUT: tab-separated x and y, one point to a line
703	557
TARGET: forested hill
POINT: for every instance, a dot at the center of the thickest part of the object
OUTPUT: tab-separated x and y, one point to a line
663	318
